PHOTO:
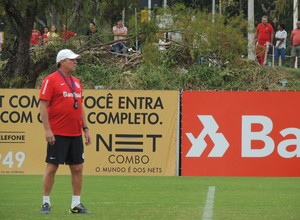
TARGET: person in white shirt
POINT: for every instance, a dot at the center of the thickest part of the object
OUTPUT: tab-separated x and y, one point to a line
120	32
165	42
280	47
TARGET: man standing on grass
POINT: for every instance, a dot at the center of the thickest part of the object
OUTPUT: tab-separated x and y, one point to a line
63	120
295	41
280	47
120	32
264	35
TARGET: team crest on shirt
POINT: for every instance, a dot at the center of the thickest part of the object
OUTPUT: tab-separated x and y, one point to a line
77	85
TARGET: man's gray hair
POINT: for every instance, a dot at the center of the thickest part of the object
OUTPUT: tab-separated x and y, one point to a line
265	16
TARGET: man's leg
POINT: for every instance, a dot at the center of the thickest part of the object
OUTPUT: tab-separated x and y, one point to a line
265	54
282	55
48	178
297	57
76	175
293	60
260	53
276	56
116	48
48	181
293	56
76	178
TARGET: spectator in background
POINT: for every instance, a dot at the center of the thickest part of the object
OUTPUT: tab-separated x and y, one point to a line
165	42
295	42
46	35
35	36
264	36
66	34
280	47
120	32
92	29
53	31
53	34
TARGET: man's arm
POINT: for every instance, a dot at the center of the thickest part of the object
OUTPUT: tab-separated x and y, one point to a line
115	30
124	32
87	136
281	40
278	38
118	31
45	119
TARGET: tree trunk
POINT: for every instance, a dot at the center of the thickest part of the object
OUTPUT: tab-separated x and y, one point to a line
18	65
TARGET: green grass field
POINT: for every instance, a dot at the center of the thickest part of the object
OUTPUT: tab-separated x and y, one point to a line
156	198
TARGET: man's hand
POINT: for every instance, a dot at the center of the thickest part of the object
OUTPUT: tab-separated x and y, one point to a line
50	137
87	137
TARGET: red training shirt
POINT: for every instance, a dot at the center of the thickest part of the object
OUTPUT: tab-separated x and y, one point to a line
35	35
64	119
66	35
264	33
45	38
296	36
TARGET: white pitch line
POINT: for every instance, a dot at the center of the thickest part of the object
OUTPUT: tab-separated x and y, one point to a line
209	204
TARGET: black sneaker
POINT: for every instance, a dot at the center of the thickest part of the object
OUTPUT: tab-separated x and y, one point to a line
79	209
45	209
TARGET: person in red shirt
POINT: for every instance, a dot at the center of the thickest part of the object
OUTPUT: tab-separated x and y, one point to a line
295	41
66	34
64	120
263	38
46	35
35	37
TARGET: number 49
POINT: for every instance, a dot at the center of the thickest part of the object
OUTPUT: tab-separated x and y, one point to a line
9	161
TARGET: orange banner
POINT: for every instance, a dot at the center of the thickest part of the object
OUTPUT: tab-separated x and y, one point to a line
133	133
240	133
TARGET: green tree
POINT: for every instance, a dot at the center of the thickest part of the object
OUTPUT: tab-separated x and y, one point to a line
21	21
23	67
192	18
283	13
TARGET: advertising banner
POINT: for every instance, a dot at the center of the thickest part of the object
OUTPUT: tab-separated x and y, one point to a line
133	132
240	133
22	138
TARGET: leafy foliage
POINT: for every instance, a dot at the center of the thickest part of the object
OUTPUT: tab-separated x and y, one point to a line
206	52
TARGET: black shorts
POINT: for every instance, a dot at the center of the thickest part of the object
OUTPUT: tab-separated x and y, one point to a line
66	150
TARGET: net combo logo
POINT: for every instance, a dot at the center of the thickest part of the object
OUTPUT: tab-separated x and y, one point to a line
199	144
287	148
